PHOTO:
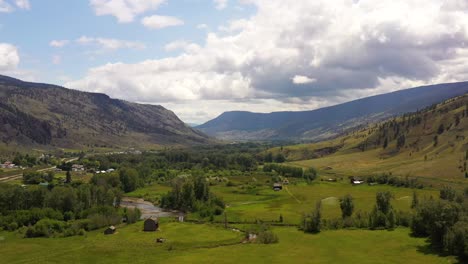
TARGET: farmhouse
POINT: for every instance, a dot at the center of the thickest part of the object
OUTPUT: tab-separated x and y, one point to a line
277	186
110	230
151	225
7	165
77	167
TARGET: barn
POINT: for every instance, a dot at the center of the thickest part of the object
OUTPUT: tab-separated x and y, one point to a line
150	225
110	230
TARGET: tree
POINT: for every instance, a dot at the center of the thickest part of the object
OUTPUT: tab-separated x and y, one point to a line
279	158
68	177
385	144
268	157
441	129
310	174
383	201
311	223
347	206
448	193
415	200
401	141
129	179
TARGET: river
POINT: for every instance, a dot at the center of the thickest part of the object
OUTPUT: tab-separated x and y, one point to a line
147	209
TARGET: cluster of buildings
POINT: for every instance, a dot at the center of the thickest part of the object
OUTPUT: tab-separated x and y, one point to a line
105	171
8	165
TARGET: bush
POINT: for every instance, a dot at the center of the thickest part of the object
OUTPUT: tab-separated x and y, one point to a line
267	237
13	226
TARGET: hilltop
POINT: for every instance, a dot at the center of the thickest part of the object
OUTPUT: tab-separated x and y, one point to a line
327	122
43	115
430	143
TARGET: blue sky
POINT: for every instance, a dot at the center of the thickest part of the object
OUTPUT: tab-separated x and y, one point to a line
31	31
200	58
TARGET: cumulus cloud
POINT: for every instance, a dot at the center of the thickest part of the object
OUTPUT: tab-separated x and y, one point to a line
338	50
10	6
220	4
124	10
158	22
23	4
182	45
5	7
59	43
110	44
202	26
299	79
9	57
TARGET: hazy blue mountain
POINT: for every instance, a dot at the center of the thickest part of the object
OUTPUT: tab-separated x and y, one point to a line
329	121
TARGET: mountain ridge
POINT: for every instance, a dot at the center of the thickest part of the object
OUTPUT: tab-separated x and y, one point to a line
329	121
51	115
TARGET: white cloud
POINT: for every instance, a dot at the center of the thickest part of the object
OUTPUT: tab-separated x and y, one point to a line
23	4
352	48
110	44
124	10
220	4
300	79
158	22
56	59
5	7
202	26
182	45
9	6
9	57
59	43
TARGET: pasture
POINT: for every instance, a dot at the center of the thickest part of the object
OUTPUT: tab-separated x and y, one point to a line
203	243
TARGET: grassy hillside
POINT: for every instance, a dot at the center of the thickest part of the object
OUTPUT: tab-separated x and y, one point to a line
431	143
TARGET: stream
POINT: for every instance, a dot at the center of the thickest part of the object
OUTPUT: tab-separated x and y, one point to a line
147	209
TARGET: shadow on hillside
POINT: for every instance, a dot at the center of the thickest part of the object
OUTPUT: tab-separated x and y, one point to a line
428	250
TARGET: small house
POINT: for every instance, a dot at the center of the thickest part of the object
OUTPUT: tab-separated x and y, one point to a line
77	167
285	181
357	182
181	217
8	165
110	230
277	187
151	225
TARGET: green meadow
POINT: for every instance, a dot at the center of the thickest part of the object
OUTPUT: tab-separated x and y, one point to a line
204	243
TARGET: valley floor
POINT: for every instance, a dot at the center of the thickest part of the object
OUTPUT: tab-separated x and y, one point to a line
203	243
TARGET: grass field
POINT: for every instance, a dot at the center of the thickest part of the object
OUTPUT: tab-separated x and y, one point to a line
196	243
295	199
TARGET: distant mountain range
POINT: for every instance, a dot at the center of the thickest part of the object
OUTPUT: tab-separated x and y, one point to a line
330	121
34	114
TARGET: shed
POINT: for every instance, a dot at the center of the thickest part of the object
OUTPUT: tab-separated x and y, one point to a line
150	225
110	230
277	187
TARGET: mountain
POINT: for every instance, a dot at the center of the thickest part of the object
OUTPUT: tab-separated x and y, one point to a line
35	114
431	143
329	121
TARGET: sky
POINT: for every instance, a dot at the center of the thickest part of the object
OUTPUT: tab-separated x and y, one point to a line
200	58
